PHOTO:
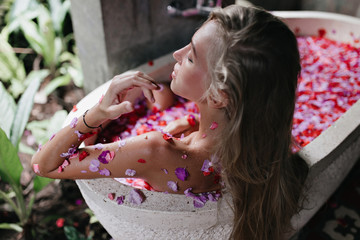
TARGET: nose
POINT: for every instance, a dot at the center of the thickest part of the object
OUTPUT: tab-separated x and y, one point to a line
179	54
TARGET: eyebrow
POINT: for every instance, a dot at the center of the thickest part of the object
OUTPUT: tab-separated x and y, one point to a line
193	47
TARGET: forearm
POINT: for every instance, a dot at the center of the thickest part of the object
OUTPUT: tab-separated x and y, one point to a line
66	142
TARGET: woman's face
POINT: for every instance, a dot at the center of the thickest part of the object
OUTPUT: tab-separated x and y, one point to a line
191	78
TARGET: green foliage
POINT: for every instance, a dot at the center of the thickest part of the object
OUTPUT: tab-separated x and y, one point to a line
72	234
10	165
42	26
12	70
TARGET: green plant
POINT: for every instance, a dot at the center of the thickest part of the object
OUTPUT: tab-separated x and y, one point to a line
11	131
72	234
42	26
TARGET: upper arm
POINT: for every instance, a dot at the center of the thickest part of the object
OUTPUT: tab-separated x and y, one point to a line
138	154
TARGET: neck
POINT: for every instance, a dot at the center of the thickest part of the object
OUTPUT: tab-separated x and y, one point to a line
212	121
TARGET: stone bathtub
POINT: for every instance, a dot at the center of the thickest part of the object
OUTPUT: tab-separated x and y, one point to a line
162	216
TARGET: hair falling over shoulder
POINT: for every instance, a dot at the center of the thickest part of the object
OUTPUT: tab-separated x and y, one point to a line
257	67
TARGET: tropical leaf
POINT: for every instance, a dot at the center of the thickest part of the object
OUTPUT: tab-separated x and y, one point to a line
57	82
25	105
10	165
8	108
11	226
41	182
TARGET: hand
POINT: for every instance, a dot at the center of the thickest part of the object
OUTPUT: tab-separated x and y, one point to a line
113	104
183	126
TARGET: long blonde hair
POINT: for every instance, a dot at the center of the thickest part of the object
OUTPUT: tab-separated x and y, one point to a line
257	66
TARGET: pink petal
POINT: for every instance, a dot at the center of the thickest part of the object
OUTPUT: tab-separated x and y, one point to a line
214	125
172	185
136	196
60	169
65	163
36	168
130	172
184	156
52	136
111	196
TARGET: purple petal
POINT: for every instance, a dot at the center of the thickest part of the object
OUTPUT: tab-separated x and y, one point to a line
94	165
172	185
136	196
78	133
205	166
102	157
52	136
104	172
70	152
188	193
198	203
181	173
74	122
120	200
130	172
165	170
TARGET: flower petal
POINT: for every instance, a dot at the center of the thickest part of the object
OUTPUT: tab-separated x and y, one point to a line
36	168
172	185
130	172
120	200
74	122
136	196
181	173
214	125
104	172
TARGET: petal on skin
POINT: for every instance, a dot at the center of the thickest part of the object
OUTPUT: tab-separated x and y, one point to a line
184	156
73	122
121	143
110	156
141	160
136	196
98	146
52	136
205	166
104	172
39	148
74	109
102	157
60	169
181	173
36	168
83	155
172	185
83	171
65	163
130	172
214	125
165	170
101	98
94	165
188	193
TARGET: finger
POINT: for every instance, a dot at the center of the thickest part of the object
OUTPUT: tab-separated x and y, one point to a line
117	110
148	94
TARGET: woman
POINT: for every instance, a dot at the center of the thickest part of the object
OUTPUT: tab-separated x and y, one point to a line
241	70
